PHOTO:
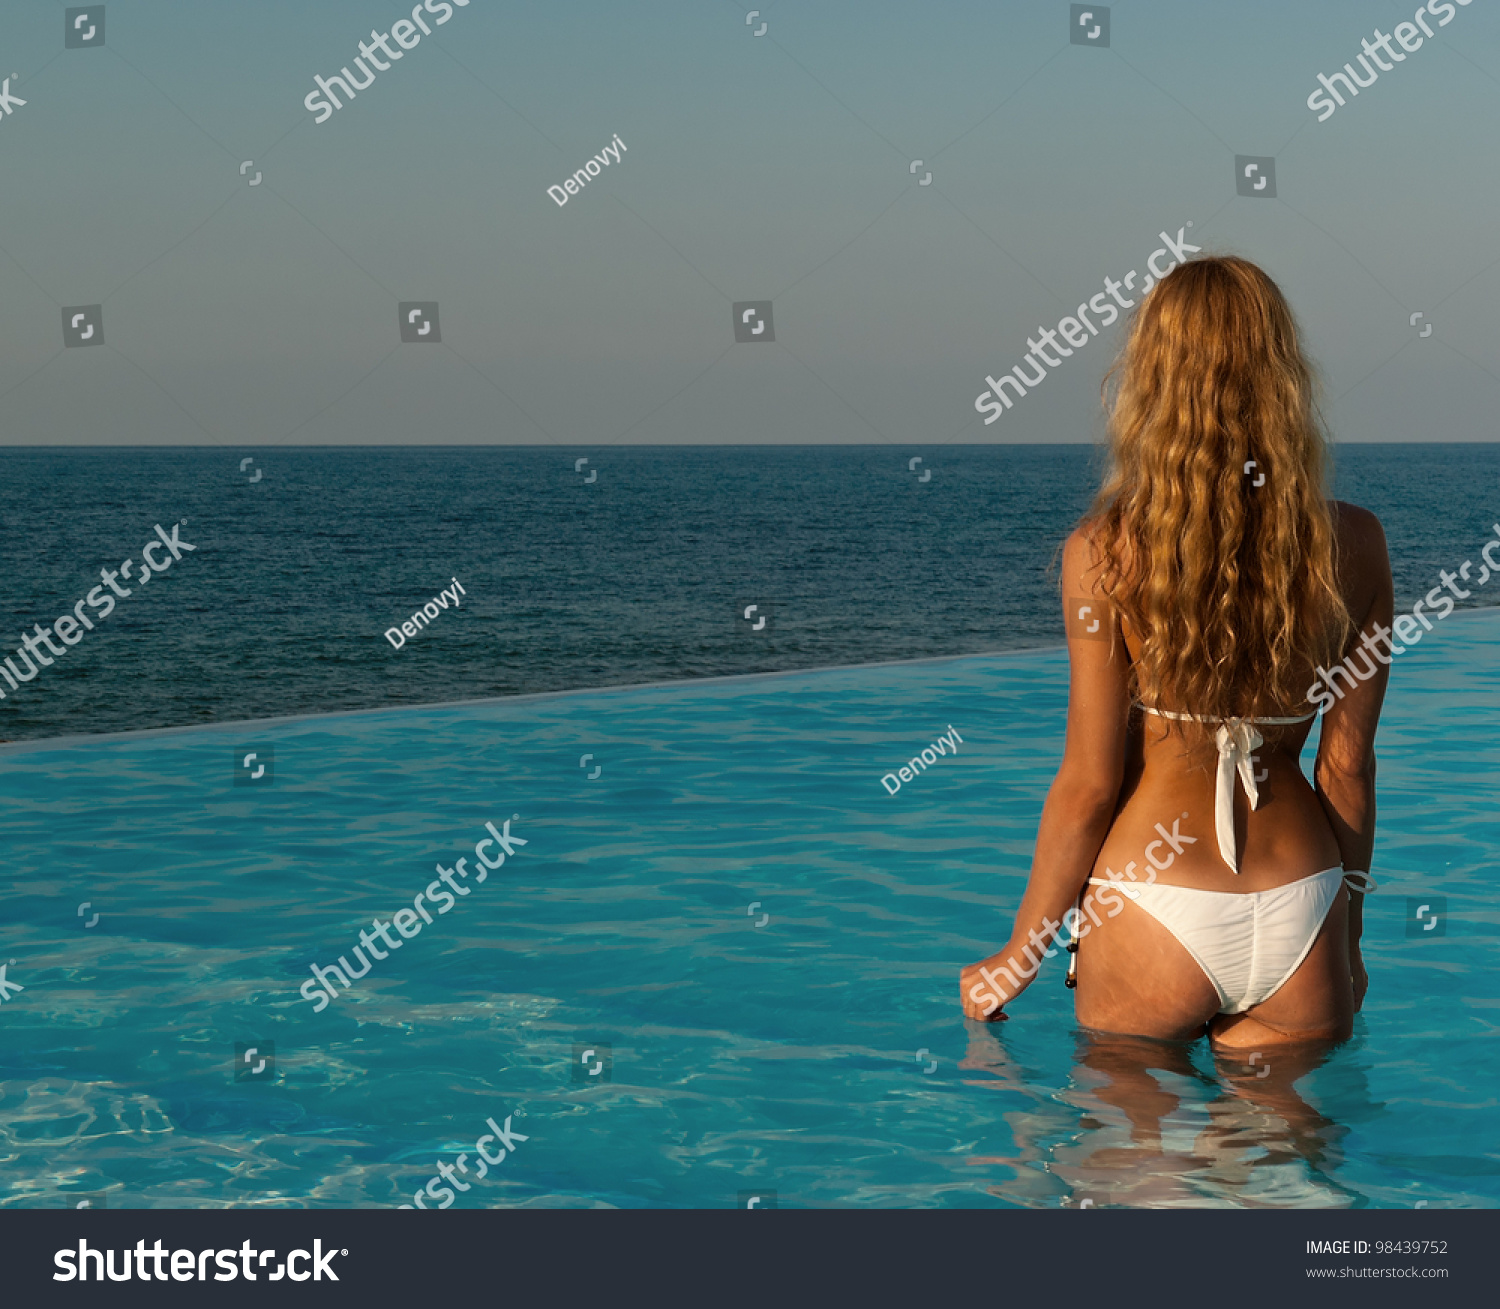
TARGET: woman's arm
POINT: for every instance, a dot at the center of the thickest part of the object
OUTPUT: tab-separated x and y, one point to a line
1081	804
1344	774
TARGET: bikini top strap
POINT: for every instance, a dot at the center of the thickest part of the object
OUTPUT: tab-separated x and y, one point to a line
1198	718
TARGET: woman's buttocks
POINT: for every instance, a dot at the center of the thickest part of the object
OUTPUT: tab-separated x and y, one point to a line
1166	827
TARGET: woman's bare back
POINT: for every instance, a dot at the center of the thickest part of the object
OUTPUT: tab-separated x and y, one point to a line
1134	975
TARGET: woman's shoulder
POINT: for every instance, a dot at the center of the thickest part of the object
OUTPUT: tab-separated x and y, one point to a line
1083	562
1358	529
1090	536
1083	552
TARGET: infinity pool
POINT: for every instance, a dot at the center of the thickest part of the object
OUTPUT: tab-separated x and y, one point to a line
757	943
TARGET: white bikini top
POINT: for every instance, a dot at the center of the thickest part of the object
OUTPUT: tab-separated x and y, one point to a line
1237	740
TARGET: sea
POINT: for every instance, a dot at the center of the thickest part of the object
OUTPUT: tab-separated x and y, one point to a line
579	567
721	959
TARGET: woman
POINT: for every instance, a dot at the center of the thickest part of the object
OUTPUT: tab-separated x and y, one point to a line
1205	592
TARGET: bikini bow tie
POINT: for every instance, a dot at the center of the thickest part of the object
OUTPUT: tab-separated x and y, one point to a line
1237	740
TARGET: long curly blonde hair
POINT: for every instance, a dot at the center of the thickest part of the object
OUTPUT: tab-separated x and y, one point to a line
1212	526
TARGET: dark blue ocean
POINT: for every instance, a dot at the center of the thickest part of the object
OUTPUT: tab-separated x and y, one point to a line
642	574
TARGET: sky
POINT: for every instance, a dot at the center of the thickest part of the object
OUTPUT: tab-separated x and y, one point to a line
791	167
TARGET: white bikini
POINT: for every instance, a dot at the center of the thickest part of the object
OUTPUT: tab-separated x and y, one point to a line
1247	944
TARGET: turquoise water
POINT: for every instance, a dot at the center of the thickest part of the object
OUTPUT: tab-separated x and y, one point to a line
780	1057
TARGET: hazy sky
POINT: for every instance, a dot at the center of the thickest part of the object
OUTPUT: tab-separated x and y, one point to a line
762	168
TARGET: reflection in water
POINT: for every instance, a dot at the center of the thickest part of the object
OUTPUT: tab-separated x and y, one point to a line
1160	1124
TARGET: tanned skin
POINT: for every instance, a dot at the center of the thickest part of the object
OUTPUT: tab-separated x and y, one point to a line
1123	772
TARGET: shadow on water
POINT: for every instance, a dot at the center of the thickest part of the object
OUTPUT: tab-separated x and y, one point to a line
1156	1124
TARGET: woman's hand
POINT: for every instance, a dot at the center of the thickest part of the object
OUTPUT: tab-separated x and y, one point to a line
983	989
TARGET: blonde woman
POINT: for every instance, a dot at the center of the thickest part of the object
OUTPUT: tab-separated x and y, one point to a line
1214	579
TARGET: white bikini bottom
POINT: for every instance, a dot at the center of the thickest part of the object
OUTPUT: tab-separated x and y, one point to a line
1247	944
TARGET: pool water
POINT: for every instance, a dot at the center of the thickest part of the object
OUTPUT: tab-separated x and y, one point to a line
765	940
